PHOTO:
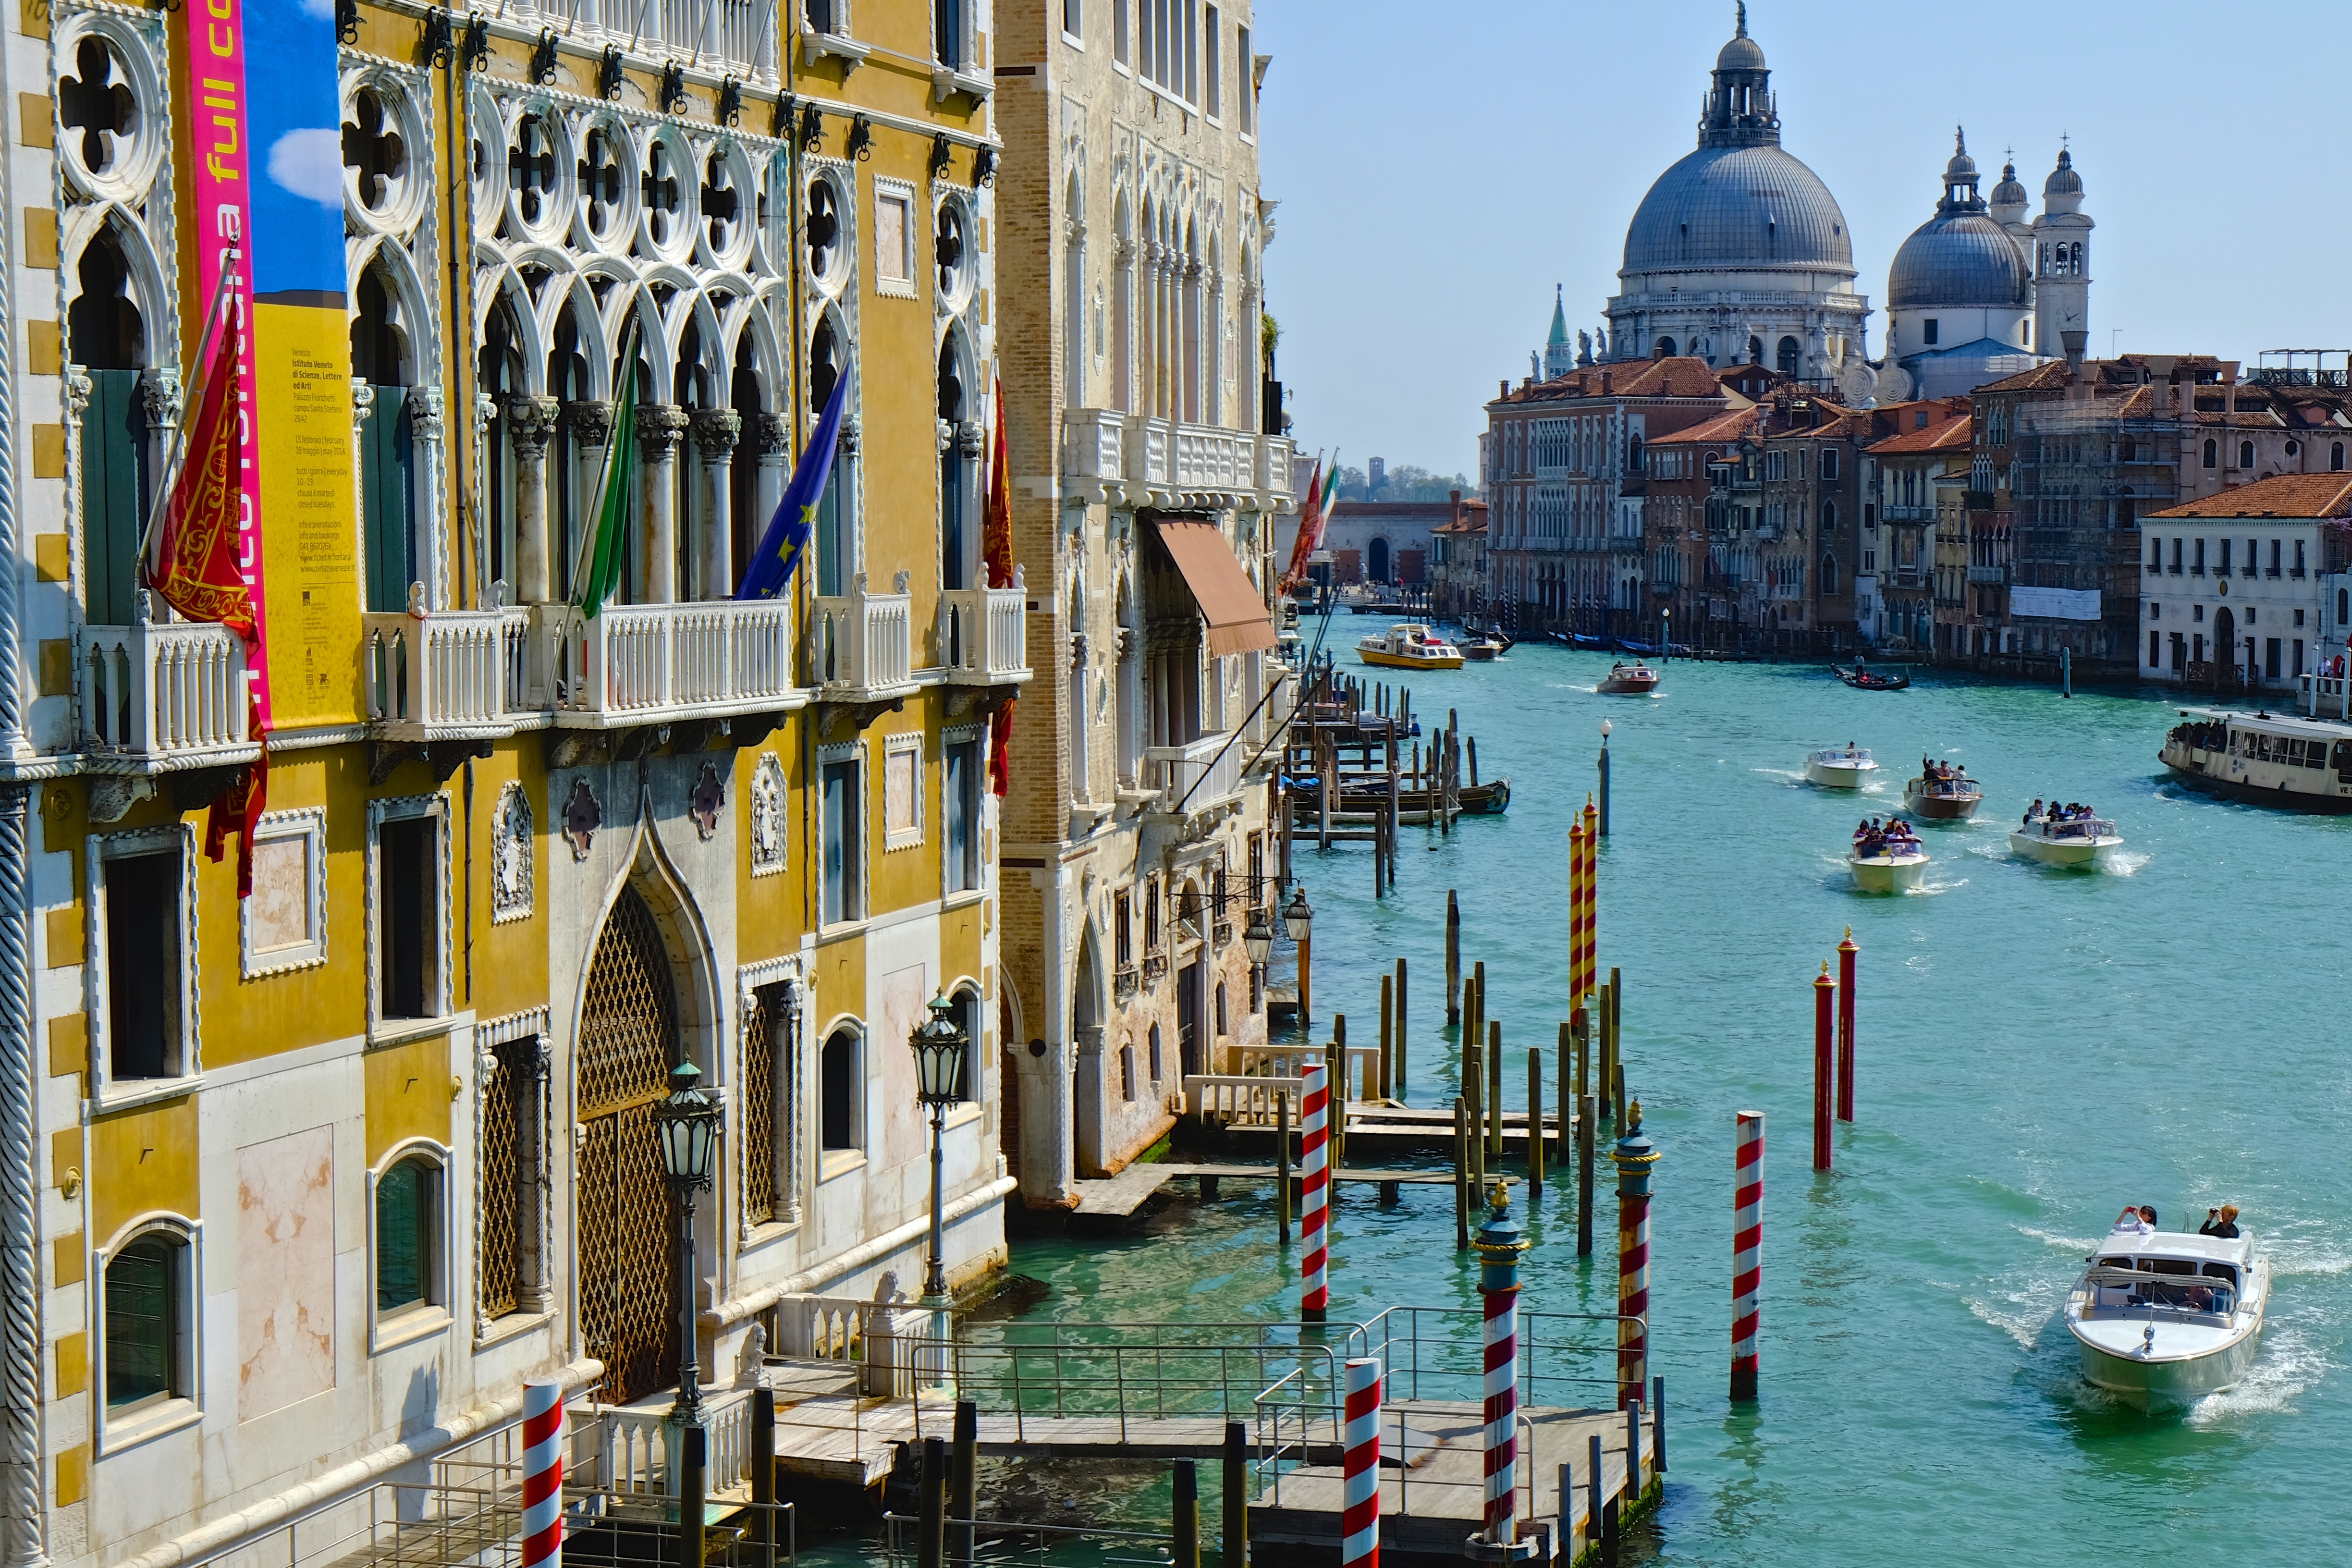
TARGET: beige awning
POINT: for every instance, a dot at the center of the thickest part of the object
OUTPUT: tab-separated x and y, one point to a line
1238	620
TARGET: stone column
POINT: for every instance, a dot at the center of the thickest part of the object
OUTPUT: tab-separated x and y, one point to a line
592	440
772	435
426	434
716	431
659	427
531	423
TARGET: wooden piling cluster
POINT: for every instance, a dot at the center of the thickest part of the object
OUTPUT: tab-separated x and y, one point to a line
1352	738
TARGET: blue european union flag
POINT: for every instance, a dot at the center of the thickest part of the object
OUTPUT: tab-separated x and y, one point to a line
770	568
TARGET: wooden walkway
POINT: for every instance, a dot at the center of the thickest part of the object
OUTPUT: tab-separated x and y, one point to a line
1119	1196
1432	1481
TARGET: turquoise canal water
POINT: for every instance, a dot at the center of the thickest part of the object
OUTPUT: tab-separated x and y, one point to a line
2036	1048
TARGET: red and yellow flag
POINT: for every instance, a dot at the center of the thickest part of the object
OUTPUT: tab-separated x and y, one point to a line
192	564
996	552
1311	529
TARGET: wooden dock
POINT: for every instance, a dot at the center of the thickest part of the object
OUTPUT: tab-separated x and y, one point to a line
1118	1197
1433	1483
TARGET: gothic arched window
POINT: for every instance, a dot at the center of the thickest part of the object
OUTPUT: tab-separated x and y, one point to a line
2245	453
2212	453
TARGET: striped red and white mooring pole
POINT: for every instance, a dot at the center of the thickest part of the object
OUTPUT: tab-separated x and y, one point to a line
1634	1154
1360	1441
1499	1246
542	1473
1315	1193
1746	1250
1824	993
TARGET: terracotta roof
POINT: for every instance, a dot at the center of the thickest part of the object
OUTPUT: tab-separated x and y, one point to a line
1728	426
2040	378
1684	375
2286	495
1946	435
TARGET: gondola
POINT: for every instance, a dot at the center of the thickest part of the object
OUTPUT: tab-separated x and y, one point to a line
1863	681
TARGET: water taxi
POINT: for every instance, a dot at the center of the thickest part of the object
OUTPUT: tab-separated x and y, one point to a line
2272	759
1849	768
1634	680
2164	1319
2069	841
1887	868
1408	645
1937	799
1481	648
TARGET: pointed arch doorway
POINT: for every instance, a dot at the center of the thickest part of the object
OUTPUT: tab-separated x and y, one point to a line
628	1043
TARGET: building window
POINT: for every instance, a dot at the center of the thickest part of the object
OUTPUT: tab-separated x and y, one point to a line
902	791
1245	90
960	785
1213	103
408	1251
1119	29
511	1256
2335	457
947	32
2222	568
137	987
768	1102
149	1362
2245	453
1074	18
2176	556
283	926
407	873
2155	553
2196	567
842	783
894	237
2213	452
1154	1038
2153	638
1928	329
1829	463
1122	924
837	1086
1126	1073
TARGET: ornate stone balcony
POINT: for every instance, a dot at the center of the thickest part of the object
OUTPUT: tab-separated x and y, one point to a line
1198	776
652	664
160	696
981	635
447	675
1138	460
861	645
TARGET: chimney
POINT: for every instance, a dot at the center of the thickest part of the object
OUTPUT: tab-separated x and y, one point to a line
1605	376
2159	388
2228	390
2075	339
1506	392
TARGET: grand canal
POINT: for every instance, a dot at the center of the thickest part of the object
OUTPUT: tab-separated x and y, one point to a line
2037	1047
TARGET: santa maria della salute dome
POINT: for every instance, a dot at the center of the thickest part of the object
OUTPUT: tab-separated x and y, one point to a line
1739	254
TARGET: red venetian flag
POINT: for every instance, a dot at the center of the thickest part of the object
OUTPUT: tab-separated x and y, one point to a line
1311	529
190	563
996	550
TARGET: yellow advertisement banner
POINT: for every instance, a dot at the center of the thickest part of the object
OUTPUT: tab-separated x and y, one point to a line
309	460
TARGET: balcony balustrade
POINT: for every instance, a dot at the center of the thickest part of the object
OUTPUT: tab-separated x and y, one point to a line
448	674
644	664
1195	775
1142	458
861	643
164	694
981	635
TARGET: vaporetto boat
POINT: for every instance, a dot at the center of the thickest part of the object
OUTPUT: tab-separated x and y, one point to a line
2302	763
2071	841
2164	1319
1849	767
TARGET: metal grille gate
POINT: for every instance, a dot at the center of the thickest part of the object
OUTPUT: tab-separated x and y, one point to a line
628	1042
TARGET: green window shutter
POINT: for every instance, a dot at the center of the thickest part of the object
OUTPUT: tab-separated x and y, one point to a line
384	465
114	494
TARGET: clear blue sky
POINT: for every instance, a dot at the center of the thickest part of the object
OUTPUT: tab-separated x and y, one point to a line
1440	167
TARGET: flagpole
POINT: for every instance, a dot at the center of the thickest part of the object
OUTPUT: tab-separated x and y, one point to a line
604	479
192	399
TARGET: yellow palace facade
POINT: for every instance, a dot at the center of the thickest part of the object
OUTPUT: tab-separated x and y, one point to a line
300	1185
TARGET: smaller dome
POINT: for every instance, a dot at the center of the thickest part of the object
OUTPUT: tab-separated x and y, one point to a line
1742	54
2009	193
1957	260
2063	180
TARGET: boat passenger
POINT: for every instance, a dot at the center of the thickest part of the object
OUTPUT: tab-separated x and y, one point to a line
2128	1223
2032	812
2148	1212
2221	1222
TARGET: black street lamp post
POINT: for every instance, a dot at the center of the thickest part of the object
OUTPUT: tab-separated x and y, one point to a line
686	1126
939	1045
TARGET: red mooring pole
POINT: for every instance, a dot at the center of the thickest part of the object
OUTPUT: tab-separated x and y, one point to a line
1747	1249
1825	990
1846	950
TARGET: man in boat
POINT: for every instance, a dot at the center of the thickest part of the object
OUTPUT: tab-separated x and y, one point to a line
2221	1222
2032	812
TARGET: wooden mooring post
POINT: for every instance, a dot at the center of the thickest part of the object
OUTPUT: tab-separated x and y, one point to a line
1186	1544
1387	1038
962	1494
1584	1176
1282	1163
1233	1496
1400	1052
1461	1175
1535	1125
1493	1092
1453	958
1474	1089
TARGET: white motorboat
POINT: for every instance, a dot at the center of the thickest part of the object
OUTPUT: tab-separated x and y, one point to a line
1887	868
2072	841
2163	1320
1847	768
